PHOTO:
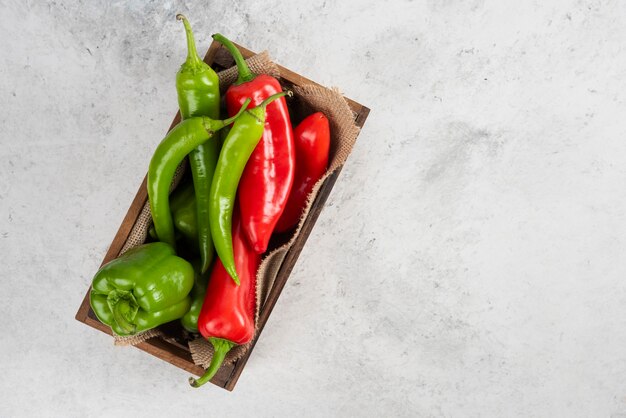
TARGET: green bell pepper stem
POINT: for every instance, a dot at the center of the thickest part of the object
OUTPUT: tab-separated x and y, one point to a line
197	87
124	309
119	313
181	140
245	74
221	347
236	150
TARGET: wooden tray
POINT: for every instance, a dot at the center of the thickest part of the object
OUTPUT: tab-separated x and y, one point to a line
177	353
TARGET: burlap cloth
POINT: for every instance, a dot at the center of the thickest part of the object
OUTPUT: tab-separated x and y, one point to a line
343	130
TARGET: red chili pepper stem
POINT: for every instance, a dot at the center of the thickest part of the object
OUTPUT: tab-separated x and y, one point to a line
193	60
245	74
221	347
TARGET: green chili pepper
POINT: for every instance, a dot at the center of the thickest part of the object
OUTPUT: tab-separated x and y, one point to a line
198	91
183	207
201	280
184	215
179	142
236	150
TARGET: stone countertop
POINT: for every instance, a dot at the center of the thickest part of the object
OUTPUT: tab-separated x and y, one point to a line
470	261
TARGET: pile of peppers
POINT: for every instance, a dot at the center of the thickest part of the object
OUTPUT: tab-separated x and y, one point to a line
245	185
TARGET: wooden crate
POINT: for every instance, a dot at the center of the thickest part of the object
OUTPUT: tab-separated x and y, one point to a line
177	353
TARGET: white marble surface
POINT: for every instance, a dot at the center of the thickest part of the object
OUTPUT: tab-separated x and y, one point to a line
470	261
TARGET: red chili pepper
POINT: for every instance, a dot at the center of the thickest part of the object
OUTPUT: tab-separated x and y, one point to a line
267	179
312	143
228	311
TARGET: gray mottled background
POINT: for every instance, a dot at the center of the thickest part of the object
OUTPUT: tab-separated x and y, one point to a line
470	261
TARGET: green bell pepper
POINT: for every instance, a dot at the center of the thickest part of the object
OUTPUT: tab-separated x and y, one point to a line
142	289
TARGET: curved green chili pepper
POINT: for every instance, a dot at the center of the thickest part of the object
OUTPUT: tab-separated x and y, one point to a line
197	86
183	208
179	142
238	145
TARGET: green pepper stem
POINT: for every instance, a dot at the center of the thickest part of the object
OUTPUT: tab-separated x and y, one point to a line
221	347
192	54
213	125
259	111
124	307
245	74
119	309
244	106
274	97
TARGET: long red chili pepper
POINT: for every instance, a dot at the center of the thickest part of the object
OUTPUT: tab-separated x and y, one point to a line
227	315
312	141
267	179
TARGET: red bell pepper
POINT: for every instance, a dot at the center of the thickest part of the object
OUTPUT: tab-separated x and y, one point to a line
267	179
227	315
312	143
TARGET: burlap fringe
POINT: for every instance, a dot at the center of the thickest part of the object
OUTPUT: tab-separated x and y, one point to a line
343	136
138	338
